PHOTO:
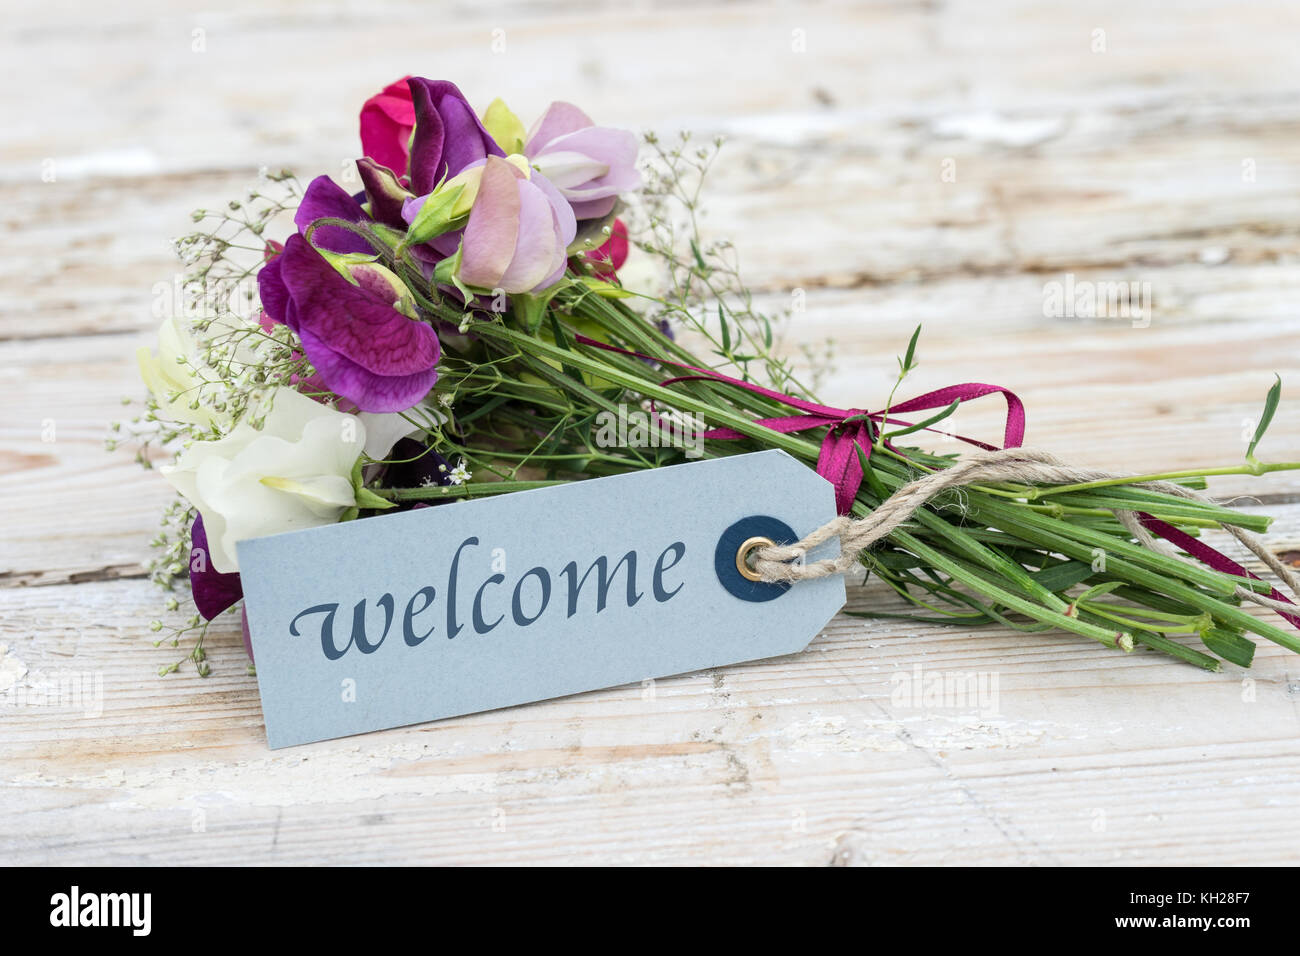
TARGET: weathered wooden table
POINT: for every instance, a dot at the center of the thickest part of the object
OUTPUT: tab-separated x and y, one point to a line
941	163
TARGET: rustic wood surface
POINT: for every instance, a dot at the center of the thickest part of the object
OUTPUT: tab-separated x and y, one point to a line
898	162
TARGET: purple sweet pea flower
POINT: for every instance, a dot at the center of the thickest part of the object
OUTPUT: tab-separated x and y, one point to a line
213	590
324	198
518	232
448	135
590	165
414	465
362	348
384	193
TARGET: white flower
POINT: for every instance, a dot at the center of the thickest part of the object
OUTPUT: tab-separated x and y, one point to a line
383	431
169	374
460	474
296	472
386	429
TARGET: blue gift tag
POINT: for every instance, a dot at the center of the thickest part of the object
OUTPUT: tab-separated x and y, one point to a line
474	605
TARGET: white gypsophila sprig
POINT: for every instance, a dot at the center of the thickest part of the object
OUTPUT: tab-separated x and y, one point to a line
214	366
704	289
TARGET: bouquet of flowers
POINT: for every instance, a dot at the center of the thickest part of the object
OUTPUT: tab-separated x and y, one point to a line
464	324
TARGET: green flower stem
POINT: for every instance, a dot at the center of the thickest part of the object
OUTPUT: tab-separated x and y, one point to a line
798	447
985	556
973	558
1060	511
1192	622
1174	509
1250	468
1174	586
1161	642
1159	602
944	563
1108	612
1108	543
1023	519
473	490
634	330
1200	513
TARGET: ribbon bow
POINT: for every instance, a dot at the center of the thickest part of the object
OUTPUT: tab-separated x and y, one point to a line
853	429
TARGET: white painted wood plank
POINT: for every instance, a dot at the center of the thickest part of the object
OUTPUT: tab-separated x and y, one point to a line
1125	165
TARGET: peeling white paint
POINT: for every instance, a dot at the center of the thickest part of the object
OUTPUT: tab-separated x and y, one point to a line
12	670
821	735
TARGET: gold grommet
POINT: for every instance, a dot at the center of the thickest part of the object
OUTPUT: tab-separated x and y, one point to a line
742	556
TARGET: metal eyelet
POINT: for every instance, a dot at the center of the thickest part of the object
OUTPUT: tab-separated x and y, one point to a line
747	548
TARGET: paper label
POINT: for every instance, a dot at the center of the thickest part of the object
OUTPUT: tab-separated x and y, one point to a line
475	605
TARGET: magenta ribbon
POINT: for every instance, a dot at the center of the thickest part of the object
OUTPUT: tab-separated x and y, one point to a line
1215	559
850	429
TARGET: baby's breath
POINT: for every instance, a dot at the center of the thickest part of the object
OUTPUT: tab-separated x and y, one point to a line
235	362
705	292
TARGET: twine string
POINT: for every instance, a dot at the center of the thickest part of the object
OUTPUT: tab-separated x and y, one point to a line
1021	465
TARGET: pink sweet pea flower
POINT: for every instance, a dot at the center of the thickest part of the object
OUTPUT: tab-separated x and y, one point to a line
589	164
518	232
387	119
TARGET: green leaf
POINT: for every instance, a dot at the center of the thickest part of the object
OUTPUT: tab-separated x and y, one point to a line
726	332
1270	407
530	307
356	477
928	422
896	560
1232	646
910	355
606	290
869	474
1062	577
1098	590
368	499
699	259
562	340
364	496
342	260
447	272
437	216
